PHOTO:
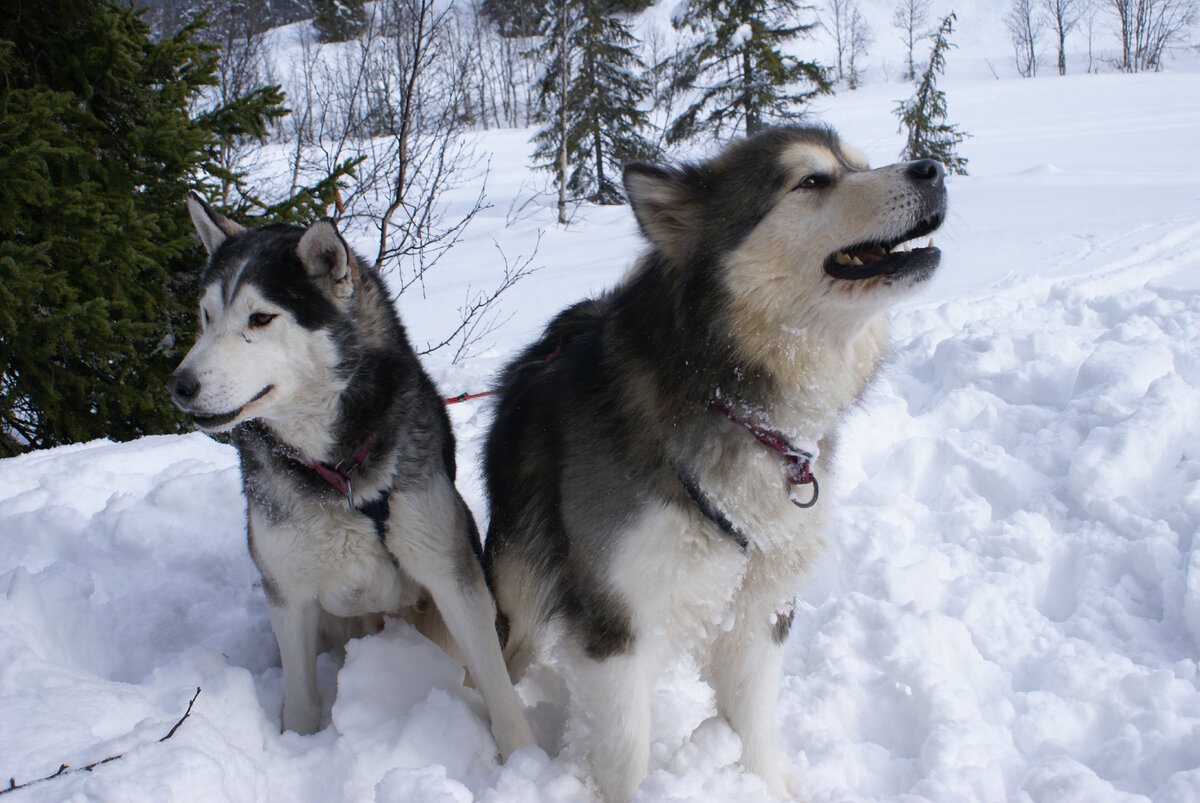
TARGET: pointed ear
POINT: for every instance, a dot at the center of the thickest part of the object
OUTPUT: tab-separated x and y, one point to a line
212	226
326	256
666	202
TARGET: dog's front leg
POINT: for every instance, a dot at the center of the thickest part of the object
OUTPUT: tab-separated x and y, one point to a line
296	624
611	698
743	669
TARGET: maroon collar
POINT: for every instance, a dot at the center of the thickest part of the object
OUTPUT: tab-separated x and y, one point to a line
797	462
339	476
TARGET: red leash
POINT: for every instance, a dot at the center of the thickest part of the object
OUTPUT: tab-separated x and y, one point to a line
462	397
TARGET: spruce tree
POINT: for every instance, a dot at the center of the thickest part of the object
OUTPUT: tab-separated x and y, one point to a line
338	20
738	72
590	98
98	265
515	18
924	115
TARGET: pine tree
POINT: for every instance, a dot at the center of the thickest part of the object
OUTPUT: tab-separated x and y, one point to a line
338	20
97	261
515	18
522	18
590	98
737	69
924	115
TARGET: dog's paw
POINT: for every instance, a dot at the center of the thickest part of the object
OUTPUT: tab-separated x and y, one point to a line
512	735
781	777
787	783
304	720
777	784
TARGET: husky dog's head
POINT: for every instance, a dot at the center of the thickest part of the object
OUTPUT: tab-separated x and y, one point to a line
274	333
794	228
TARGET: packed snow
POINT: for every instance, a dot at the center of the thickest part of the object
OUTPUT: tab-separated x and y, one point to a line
1011	610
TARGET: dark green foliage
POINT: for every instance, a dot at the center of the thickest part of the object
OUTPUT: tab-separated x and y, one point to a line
590	98
739	75
629	6
924	115
338	20
522	18
165	17
515	18
98	266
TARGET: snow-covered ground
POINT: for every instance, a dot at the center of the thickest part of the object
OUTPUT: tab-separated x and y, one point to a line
1012	612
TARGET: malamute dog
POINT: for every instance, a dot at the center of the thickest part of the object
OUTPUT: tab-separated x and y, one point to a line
654	463
346	453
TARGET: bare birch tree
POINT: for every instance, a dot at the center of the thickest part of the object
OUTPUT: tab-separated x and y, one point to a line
1024	29
835	21
911	17
1062	16
1147	27
859	40
393	101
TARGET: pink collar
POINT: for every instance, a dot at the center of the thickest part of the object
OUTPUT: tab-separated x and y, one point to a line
339	476
797	462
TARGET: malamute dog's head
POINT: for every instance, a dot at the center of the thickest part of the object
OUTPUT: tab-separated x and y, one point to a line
804	231
277	341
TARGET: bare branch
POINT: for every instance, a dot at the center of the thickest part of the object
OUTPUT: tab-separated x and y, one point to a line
477	316
65	769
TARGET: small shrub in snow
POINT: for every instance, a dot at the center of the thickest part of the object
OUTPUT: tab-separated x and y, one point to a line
924	115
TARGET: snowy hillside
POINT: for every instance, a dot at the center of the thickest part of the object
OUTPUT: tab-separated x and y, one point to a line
1012	611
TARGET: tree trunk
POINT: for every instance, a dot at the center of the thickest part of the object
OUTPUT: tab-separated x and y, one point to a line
563	86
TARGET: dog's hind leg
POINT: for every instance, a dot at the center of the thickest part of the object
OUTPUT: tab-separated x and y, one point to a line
519	653
430	539
296	625
467	609
518	597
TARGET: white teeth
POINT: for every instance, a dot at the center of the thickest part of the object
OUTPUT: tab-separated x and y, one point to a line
843	258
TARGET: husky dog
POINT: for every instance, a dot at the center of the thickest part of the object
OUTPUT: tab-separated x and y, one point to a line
347	457
653	466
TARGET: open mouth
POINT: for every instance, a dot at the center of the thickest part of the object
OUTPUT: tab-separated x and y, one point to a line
888	258
221	419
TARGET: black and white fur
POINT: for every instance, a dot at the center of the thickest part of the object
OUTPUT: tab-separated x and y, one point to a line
633	513
302	356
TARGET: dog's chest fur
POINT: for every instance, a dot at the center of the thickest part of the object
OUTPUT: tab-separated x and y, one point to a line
316	544
743	480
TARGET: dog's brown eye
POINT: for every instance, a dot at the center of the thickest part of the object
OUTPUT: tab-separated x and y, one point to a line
814	182
260	319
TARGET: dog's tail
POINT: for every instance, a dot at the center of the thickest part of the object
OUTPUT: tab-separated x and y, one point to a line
569	324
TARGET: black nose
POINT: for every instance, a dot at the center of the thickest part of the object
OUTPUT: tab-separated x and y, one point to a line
926	170
183	386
